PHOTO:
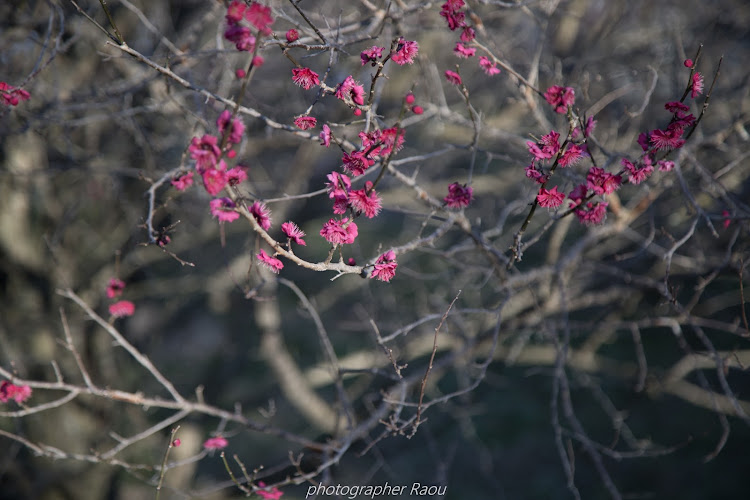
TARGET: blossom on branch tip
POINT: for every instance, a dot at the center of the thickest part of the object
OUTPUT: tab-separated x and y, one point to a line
223	209
560	97
122	309
305	122
339	231
115	288
405	52
550	198
215	443
453	77
183	182
417	110
365	200
385	267
488	66
459	195
18	393
305	78
272	263
262	214
293	232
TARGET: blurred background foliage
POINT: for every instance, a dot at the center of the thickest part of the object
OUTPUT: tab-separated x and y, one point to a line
77	160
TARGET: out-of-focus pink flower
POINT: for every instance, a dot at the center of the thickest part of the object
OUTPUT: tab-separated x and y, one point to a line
260	16
223	209
19	393
325	136
453	77
236	175
214	180
238	128
183	182
273	494
241	37
11	95
215	443
122	309
115	288
488	66
235	12
463	51
205	151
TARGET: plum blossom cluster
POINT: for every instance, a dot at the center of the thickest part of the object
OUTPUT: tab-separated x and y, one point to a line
120	308
11	95
560	98
256	15
456	19
18	393
662	141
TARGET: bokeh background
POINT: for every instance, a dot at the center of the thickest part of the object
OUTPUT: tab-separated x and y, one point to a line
77	160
